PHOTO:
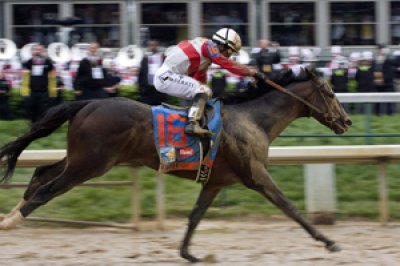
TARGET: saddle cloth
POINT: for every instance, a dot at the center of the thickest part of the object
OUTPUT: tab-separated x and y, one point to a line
179	151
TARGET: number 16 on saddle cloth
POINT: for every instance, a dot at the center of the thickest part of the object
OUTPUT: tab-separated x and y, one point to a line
179	151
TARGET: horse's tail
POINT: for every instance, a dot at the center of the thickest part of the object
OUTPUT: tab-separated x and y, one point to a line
51	120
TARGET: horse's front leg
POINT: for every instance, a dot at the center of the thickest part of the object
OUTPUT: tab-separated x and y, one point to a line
262	182
204	200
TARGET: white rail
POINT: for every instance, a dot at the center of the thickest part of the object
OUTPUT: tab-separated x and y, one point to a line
375	154
335	154
277	155
370	97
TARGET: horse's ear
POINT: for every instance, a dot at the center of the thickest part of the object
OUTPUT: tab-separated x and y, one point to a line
311	72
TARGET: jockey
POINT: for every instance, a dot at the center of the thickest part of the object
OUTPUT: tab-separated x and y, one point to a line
184	71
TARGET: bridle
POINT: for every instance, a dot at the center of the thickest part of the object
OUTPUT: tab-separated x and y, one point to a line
328	115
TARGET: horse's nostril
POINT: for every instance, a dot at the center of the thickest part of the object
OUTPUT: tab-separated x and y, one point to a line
348	122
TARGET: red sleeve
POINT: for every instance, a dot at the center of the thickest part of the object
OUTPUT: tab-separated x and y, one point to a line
232	66
210	50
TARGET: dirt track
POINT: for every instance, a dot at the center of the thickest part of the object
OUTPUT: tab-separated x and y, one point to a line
223	242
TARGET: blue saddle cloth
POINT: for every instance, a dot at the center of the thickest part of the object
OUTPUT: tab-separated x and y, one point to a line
179	151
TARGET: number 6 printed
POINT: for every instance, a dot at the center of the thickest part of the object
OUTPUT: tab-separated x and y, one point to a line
176	133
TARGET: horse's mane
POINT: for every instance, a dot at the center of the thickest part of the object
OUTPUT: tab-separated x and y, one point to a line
248	93
251	92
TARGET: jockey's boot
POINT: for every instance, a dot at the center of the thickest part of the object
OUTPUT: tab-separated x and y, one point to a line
195	114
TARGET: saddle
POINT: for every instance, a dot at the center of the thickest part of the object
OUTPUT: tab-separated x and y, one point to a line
179	151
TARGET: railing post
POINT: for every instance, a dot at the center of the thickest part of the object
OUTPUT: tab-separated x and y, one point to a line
383	194
160	200
135	198
368	115
320	188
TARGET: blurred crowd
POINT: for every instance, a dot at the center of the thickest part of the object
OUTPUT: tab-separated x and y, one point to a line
99	73
375	70
90	73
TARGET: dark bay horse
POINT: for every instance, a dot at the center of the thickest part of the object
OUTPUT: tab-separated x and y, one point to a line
105	133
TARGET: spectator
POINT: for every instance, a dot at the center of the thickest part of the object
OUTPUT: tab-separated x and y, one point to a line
90	80
113	80
340	77
218	83
367	34
148	67
5	110
338	31
266	57
336	52
354	59
308	58
396	65
58	99
293	57
127	63
383	78
39	83
364	76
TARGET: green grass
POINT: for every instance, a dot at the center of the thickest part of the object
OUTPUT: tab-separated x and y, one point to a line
357	187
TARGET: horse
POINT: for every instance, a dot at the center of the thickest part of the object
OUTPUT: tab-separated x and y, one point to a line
108	132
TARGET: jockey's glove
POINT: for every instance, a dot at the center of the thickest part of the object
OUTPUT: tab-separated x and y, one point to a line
260	76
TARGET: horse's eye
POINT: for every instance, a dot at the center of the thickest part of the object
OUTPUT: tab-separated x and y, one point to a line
328	91
330	94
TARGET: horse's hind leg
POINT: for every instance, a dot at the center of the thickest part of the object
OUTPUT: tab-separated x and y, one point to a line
13	211
204	200
69	178
42	175
263	183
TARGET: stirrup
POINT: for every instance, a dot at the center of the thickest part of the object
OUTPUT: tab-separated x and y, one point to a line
194	129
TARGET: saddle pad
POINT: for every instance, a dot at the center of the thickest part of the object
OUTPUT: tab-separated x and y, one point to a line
177	150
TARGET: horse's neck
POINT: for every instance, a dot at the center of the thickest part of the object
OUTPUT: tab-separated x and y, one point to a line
274	112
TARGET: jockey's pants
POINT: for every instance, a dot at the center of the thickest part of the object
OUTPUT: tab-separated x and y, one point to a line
178	85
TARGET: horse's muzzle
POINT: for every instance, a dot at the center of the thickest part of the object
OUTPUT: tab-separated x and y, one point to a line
342	125
348	122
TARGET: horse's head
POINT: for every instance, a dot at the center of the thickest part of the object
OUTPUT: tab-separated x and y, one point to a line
328	110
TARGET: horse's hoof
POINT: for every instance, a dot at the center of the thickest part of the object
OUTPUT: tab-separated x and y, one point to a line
6	225
10	222
210	259
333	247
190	258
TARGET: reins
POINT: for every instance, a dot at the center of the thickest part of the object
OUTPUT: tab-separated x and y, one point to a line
284	90
310	105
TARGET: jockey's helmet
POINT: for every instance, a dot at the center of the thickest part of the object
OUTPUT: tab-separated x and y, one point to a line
229	38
